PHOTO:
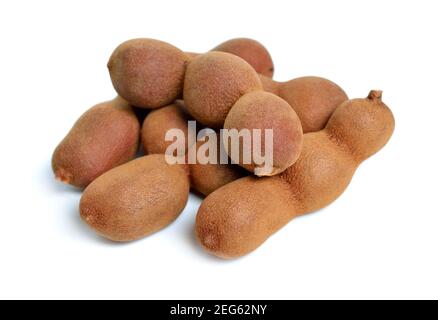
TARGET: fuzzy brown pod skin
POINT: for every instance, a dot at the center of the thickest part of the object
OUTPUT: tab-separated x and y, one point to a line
158	122
314	99
263	110
191	55
252	52
237	218
136	199
206	178
214	82
249	50
148	73
104	137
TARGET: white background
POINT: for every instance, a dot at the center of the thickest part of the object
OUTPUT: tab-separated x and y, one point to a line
379	240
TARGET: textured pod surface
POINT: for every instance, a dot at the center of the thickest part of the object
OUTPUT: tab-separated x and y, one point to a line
363	134
314	99
191	55
136	199
214	82
252	52
321	174
160	121
357	129
148	73
206	178
237	218
104	137
263	110
270	85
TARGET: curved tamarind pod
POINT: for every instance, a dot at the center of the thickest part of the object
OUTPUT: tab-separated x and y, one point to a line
237	218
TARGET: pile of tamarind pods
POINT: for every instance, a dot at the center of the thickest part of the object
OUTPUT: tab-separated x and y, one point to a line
320	138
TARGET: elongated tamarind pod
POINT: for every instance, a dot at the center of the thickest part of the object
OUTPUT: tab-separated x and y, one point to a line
136	199
237	218
148	73
104	137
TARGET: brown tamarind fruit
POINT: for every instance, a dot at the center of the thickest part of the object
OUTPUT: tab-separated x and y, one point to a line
237	218
148	73
249	50
214	82
265	111
136	199
158	122
104	137
252	52
208	177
